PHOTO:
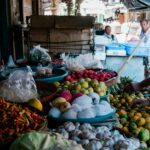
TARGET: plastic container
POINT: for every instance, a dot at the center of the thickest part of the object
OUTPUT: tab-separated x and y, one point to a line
115	46
141	51
58	74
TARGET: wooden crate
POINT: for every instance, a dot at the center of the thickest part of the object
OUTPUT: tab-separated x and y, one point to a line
62	33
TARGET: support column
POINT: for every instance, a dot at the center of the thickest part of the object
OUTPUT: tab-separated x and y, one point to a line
4	30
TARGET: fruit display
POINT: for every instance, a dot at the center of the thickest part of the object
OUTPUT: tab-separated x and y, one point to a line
82	107
84	86
124	100
97	138
136	122
100	75
17	119
43	141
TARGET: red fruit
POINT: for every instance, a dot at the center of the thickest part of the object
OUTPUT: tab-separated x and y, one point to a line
68	77
66	94
76	95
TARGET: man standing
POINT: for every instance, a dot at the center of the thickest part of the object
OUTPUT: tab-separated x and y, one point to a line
146	42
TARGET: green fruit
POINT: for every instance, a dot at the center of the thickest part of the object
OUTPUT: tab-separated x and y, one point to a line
124	116
94	83
88	79
91	90
132	126
123	121
81	80
144	135
77	87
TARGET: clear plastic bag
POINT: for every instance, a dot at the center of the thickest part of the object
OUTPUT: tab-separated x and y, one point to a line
40	55
19	87
81	62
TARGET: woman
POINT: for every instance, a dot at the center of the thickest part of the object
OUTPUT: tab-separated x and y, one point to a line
110	37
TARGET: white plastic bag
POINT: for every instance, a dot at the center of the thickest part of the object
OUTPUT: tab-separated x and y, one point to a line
40	55
81	62
19	87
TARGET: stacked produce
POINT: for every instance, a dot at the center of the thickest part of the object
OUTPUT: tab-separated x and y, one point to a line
82	107
135	122
124	100
84	86
17	119
99	75
96	138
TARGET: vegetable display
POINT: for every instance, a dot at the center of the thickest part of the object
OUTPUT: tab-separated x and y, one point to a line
98	138
17	119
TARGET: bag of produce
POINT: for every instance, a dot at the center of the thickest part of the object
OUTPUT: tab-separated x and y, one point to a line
39	55
19	87
43	141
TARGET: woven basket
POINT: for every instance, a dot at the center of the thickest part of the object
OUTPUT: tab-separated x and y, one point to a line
111	81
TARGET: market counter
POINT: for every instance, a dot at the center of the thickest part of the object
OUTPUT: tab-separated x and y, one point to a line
134	69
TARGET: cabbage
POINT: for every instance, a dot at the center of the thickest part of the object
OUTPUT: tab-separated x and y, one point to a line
42	141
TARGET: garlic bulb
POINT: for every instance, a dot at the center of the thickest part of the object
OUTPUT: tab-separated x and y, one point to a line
87	134
85	126
69	126
94	145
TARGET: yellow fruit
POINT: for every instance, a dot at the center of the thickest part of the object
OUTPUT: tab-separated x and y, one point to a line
56	84
141	122
147	125
125	129
36	104
64	106
57	102
129	99
84	84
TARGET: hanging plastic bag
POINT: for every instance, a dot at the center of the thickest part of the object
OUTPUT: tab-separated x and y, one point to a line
40	55
19	87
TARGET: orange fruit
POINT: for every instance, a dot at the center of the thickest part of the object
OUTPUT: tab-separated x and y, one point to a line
138	114
122	100
136	118
147	119
122	112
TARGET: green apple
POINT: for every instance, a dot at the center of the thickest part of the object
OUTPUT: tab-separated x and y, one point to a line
94	83
91	90
88	80
81	80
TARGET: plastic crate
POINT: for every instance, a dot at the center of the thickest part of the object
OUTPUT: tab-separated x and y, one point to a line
115	46
141	51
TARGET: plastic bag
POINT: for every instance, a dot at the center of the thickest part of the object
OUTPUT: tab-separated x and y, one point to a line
40	55
19	87
81	62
